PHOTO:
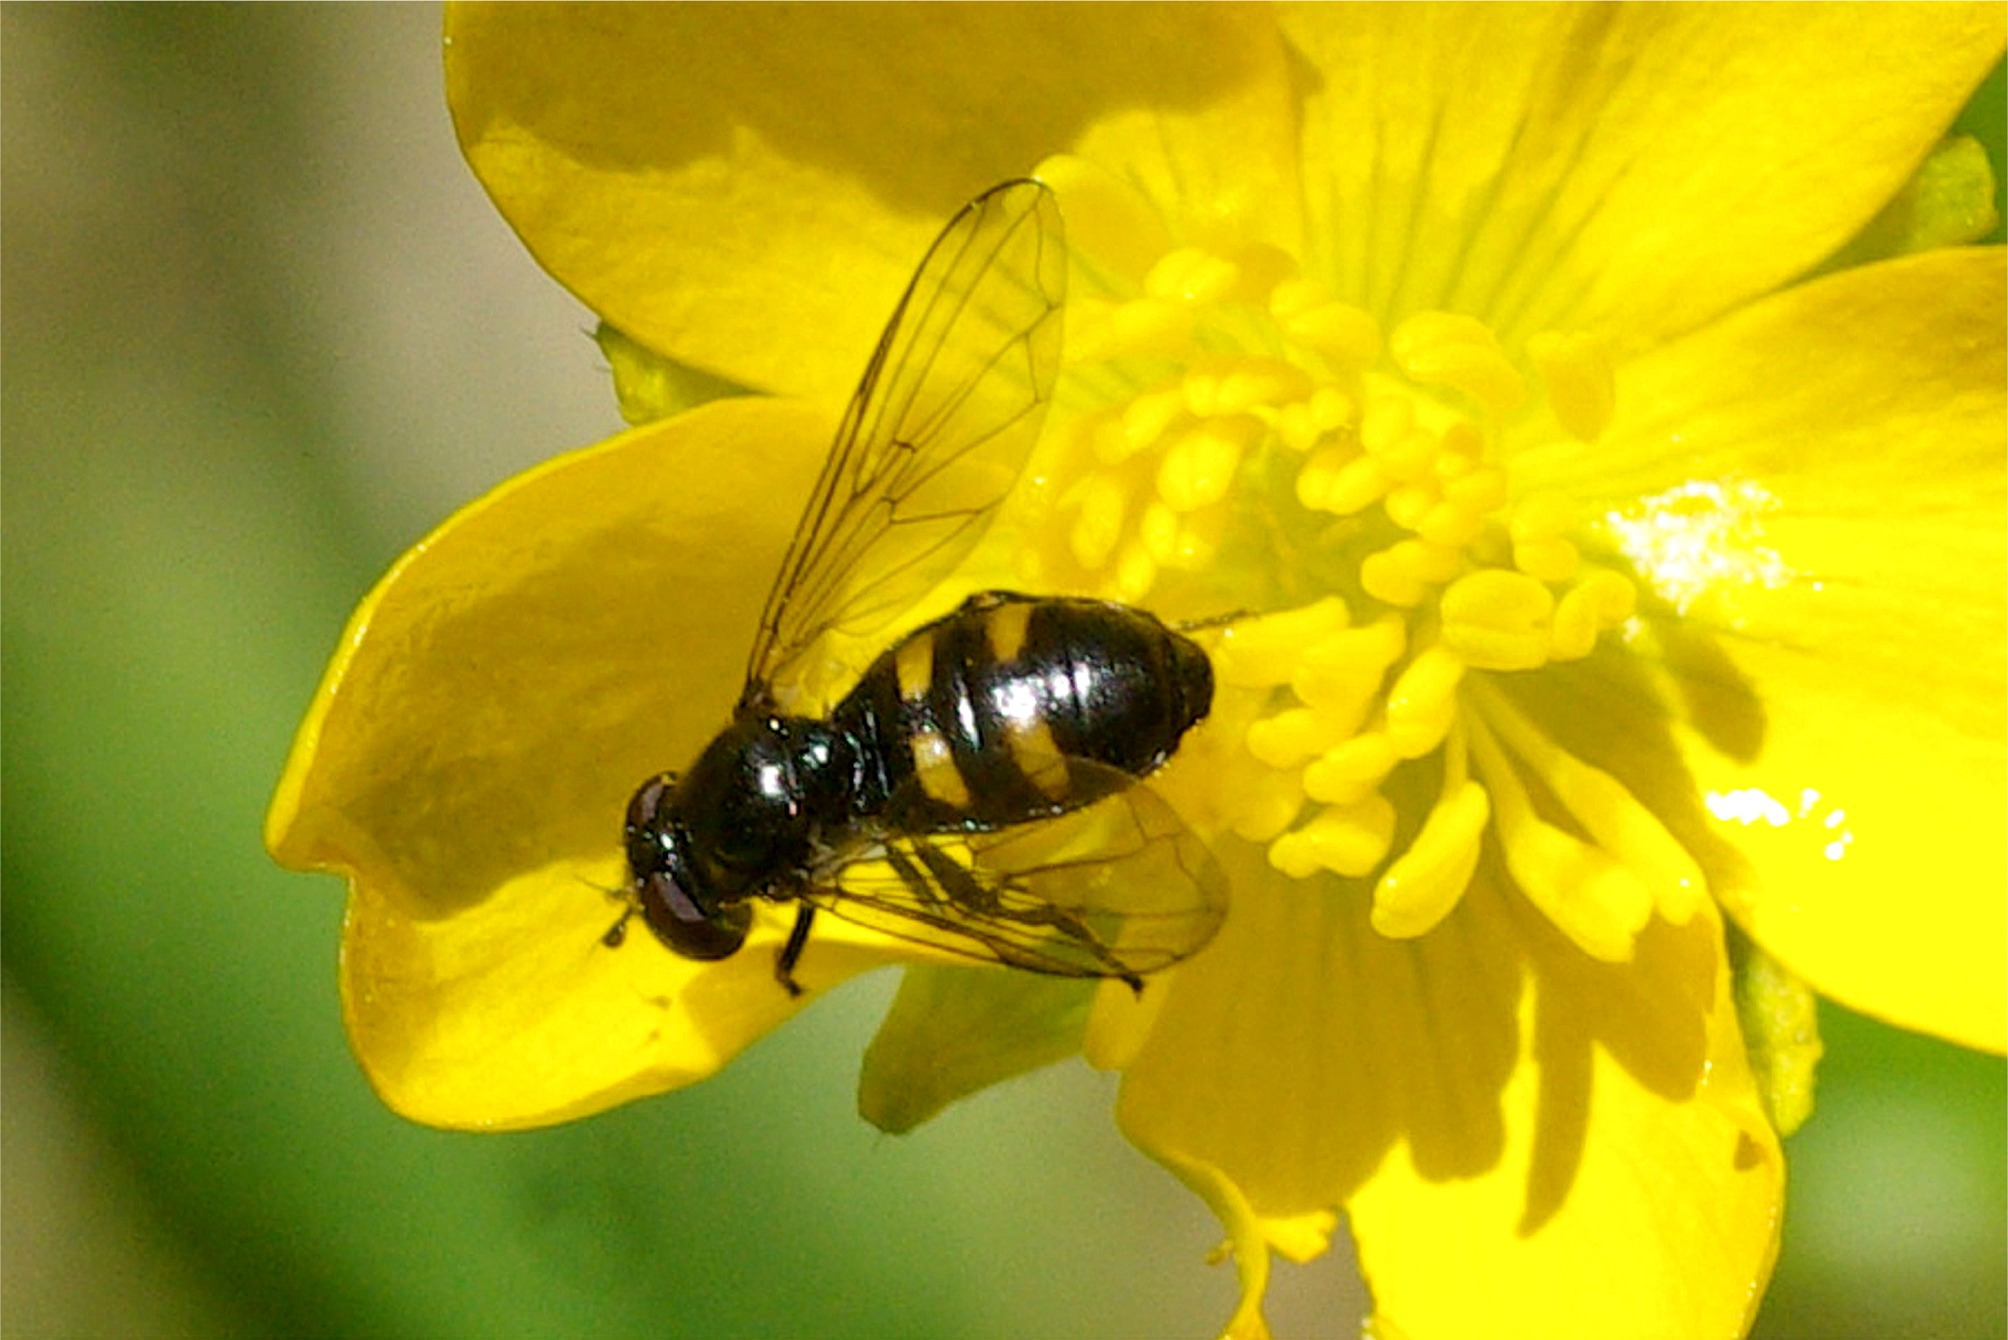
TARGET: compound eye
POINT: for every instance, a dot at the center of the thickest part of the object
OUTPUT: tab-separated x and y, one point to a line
648	802
685	927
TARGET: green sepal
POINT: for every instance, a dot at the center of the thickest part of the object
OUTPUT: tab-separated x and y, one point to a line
1948	202
1781	1032
651	387
953	1031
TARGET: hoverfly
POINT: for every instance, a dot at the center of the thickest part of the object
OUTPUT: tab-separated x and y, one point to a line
978	790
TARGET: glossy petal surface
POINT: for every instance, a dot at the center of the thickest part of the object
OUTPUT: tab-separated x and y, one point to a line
470	754
1634	170
1840	447
747	187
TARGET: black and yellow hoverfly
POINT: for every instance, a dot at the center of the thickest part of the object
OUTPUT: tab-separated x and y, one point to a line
978	789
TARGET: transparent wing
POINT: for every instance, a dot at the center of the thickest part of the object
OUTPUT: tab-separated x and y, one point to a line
944	417
1118	889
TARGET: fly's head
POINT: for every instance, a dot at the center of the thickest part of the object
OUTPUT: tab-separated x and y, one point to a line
674	896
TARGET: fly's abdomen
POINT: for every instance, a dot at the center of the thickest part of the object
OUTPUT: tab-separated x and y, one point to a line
979	719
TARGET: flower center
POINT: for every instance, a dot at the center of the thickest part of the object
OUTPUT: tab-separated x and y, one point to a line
1233	435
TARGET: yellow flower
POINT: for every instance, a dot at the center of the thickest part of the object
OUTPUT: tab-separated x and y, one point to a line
1612	575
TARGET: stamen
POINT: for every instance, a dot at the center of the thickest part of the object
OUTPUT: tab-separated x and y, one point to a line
1262	418
1346	840
1103	501
1622	827
1450	349
1423	702
1498	620
1421	886
1146	417
1198	468
1590	897
1338	480
1262	653
1192	275
1346	773
1102	332
1341	332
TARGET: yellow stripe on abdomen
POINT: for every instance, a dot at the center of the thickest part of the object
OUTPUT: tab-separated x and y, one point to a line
1006	627
1038	756
934	765
913	667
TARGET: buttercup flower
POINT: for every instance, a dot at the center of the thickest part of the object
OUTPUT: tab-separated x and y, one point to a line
1612	562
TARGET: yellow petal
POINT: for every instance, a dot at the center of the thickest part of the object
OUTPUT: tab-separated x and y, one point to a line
1631	169
748	189
1840	449
469	756
1638	1190
1529	1143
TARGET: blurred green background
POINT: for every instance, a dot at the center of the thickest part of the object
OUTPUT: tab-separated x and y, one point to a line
260	331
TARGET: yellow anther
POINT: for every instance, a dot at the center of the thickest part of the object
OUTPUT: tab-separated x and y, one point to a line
1339	331
1141	328
1319	474
1384	420
1450	524
1295	296
1461	448
1199	466
1261	653
1481	489
1259	381
1589	897
1427	562
1386	578
1295	428
1423	702
1262	267
1157	531
1103	500
1409	456
1266	805
1541	516
1497	620
1370	648
1303	423
1148	415
1408	504
1330	688
1450	349
1136	573
1418	890
1202	387
1417	564
1602	599
1574	634
1333	408
1197	540
1346	773
1614	595
1103	332
1341	481
1548	560
1296	735
1582	388
1623	829
1347	840
1192	274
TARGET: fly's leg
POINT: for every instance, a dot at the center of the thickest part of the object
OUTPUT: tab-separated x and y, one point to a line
791	952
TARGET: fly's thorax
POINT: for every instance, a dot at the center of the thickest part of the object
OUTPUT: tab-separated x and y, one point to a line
758	800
